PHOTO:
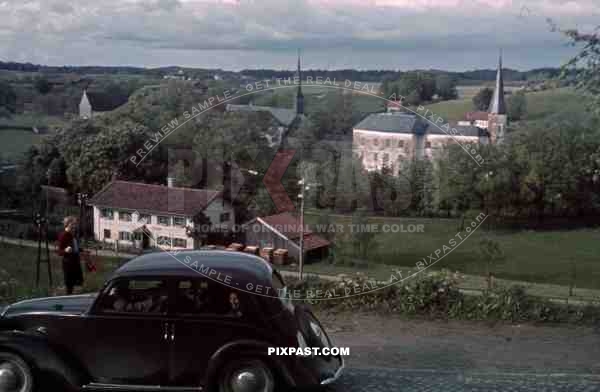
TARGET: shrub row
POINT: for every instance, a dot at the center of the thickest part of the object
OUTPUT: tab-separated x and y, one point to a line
436	295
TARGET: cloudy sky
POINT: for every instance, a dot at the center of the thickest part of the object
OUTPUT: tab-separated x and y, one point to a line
236	34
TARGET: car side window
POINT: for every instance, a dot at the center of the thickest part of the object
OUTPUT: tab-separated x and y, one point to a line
198	297
136	296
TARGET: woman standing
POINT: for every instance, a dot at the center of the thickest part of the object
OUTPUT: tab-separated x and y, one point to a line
68	248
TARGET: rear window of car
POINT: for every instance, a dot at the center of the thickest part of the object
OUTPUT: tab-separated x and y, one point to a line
205	297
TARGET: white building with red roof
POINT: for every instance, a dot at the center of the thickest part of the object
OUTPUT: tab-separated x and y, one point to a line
147	215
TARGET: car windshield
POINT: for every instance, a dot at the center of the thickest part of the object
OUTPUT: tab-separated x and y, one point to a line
282	291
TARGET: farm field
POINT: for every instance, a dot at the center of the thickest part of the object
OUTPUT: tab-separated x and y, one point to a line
539	105
30	120
544	257
15	142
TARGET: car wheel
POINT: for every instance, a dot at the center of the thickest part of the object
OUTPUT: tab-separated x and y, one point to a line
248	375
15	374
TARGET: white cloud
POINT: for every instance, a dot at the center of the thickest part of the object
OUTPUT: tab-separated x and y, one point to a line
46	29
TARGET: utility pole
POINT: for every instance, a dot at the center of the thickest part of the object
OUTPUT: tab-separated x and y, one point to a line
81	200
42	226
303	187
301	256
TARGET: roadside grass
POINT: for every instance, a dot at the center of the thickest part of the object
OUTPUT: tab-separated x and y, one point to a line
555	258
19	264
15	142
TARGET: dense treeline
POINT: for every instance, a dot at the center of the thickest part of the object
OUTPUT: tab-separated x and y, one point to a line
381	75
342	74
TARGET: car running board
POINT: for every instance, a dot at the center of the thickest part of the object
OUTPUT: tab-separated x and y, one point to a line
121	387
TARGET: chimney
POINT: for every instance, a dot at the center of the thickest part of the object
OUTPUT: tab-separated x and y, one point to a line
171	182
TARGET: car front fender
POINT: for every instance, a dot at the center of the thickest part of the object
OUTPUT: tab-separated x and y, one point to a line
247	348
47	361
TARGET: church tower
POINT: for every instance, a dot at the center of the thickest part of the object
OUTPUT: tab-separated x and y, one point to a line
85	108
497	116
299	103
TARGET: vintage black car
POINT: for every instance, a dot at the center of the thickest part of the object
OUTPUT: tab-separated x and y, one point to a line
167	322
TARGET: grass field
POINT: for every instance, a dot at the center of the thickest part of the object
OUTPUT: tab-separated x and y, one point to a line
540	105
542	257
19	265
32	120
14	142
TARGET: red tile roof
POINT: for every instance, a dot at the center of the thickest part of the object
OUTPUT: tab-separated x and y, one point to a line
154	198
475	116
289	225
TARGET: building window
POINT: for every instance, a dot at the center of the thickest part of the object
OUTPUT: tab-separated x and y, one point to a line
164	220
224	217
179	221
106	213
125	236
375	156
125	216
375	141
387	142
145	219
163	241
106	234
401	143
386	158
179	243
427	144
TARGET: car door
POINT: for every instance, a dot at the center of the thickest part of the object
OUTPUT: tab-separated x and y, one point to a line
127	342
204	319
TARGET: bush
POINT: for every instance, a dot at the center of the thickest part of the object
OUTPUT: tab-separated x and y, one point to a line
436	295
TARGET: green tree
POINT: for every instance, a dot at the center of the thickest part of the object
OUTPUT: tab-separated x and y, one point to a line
481	101
445	87
491	253
8	97
517	106
200	231
364	240
584	68
42	85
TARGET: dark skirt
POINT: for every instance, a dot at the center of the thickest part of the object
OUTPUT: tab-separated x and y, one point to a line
72	270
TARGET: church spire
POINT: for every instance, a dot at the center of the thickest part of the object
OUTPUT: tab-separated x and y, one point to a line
299	95
497	105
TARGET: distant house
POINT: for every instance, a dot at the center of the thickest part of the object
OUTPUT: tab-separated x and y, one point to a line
283	231
156	215
478	119
94	104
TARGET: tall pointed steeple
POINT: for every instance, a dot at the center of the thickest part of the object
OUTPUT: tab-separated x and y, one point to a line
299	96
497	105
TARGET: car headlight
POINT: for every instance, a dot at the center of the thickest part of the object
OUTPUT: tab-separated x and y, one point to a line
301	340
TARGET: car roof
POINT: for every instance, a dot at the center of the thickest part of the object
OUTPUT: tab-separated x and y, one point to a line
241	268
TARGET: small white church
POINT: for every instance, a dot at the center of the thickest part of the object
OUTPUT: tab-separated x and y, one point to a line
95	104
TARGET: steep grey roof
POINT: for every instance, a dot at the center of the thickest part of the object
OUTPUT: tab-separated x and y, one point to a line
412	124
497	105
463	130
392	122
284	116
